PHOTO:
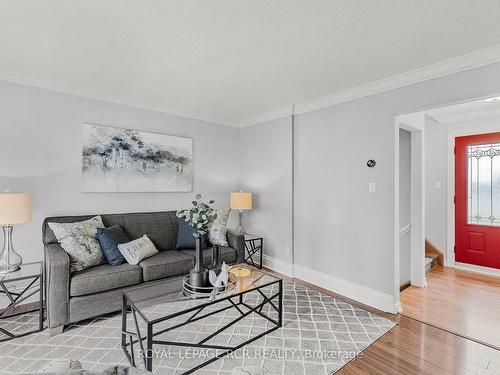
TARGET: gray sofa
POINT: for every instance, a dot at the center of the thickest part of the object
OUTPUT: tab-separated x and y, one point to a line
71	297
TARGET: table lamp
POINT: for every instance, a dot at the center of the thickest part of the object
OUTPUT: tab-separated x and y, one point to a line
241	201
15	208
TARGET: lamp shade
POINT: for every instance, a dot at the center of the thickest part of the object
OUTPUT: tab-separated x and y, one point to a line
241	201
15	208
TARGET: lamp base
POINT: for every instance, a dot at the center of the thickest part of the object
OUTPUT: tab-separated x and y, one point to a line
10	261
240	229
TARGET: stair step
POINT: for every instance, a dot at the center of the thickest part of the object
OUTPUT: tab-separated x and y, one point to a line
430	262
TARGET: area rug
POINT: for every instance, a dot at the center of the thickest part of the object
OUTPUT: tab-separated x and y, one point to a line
320	334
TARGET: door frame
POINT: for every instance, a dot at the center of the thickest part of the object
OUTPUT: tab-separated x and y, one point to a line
415	124
449	258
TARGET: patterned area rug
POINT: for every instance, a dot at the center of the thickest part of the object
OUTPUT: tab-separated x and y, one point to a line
320	335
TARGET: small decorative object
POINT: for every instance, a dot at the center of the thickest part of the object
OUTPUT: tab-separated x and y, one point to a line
124	160
200	217
242	276
371	163
15	208
240	271
241	201
219	282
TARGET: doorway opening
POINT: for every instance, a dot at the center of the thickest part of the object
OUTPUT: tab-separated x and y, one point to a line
409	202
462	198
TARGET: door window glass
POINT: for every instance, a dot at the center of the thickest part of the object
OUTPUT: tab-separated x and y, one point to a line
483	192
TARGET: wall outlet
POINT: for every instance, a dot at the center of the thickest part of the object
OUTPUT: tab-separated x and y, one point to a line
437	185
287	250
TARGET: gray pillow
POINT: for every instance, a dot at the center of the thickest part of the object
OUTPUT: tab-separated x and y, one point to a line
217	232
79	240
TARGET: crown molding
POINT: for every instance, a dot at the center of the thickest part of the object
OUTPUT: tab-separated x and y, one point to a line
454	65
31	81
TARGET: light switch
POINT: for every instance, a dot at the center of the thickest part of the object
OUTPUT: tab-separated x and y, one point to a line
372	188
437	185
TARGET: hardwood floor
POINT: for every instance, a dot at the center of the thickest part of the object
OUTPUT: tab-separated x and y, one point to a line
462	302
416	348
457	300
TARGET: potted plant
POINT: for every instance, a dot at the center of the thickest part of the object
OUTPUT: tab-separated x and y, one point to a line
200	217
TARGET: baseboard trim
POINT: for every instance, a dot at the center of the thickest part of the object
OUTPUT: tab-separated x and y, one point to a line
357	292
278	265
479	269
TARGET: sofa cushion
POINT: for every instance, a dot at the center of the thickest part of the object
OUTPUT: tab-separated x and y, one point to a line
80	242
104	277
137	250
166	264
227	254
109	239
185	238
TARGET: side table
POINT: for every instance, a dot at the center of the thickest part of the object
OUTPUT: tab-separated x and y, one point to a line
254	245
32	274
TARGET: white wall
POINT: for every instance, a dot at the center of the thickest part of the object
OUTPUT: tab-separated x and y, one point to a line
404	205
40	152
435	173
266	165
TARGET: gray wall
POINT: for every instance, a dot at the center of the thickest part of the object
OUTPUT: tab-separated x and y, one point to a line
340	228
266	165
435	173
404	204
40	133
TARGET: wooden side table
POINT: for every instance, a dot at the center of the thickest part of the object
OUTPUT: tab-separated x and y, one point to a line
254	245
32	274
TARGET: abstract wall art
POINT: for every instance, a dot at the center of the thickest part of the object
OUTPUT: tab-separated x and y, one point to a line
125	160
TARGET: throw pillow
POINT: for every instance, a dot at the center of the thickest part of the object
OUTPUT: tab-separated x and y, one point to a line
109	239
217	232
185	238
137	250
80	242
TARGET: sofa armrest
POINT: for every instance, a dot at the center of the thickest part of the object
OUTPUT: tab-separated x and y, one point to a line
57	278
237	242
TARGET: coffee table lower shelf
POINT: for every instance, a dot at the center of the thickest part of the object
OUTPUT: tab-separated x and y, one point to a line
146	340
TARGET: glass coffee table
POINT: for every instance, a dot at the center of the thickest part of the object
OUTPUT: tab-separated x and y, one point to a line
160	314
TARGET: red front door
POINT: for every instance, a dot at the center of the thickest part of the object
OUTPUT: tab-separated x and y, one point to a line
477	200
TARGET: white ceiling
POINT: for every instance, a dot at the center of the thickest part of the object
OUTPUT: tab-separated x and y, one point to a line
231	61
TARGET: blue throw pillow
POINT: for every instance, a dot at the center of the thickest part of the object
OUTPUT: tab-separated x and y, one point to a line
185	238
109	238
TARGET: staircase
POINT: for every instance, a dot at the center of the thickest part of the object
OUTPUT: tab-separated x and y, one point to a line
433	256
431	261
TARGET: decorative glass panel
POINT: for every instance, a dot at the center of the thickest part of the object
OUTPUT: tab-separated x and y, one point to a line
483	206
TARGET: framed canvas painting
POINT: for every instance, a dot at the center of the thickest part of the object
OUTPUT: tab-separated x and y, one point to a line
125	160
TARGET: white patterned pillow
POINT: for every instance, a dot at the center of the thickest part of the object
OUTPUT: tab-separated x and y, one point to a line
80	242
217	232
137	250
